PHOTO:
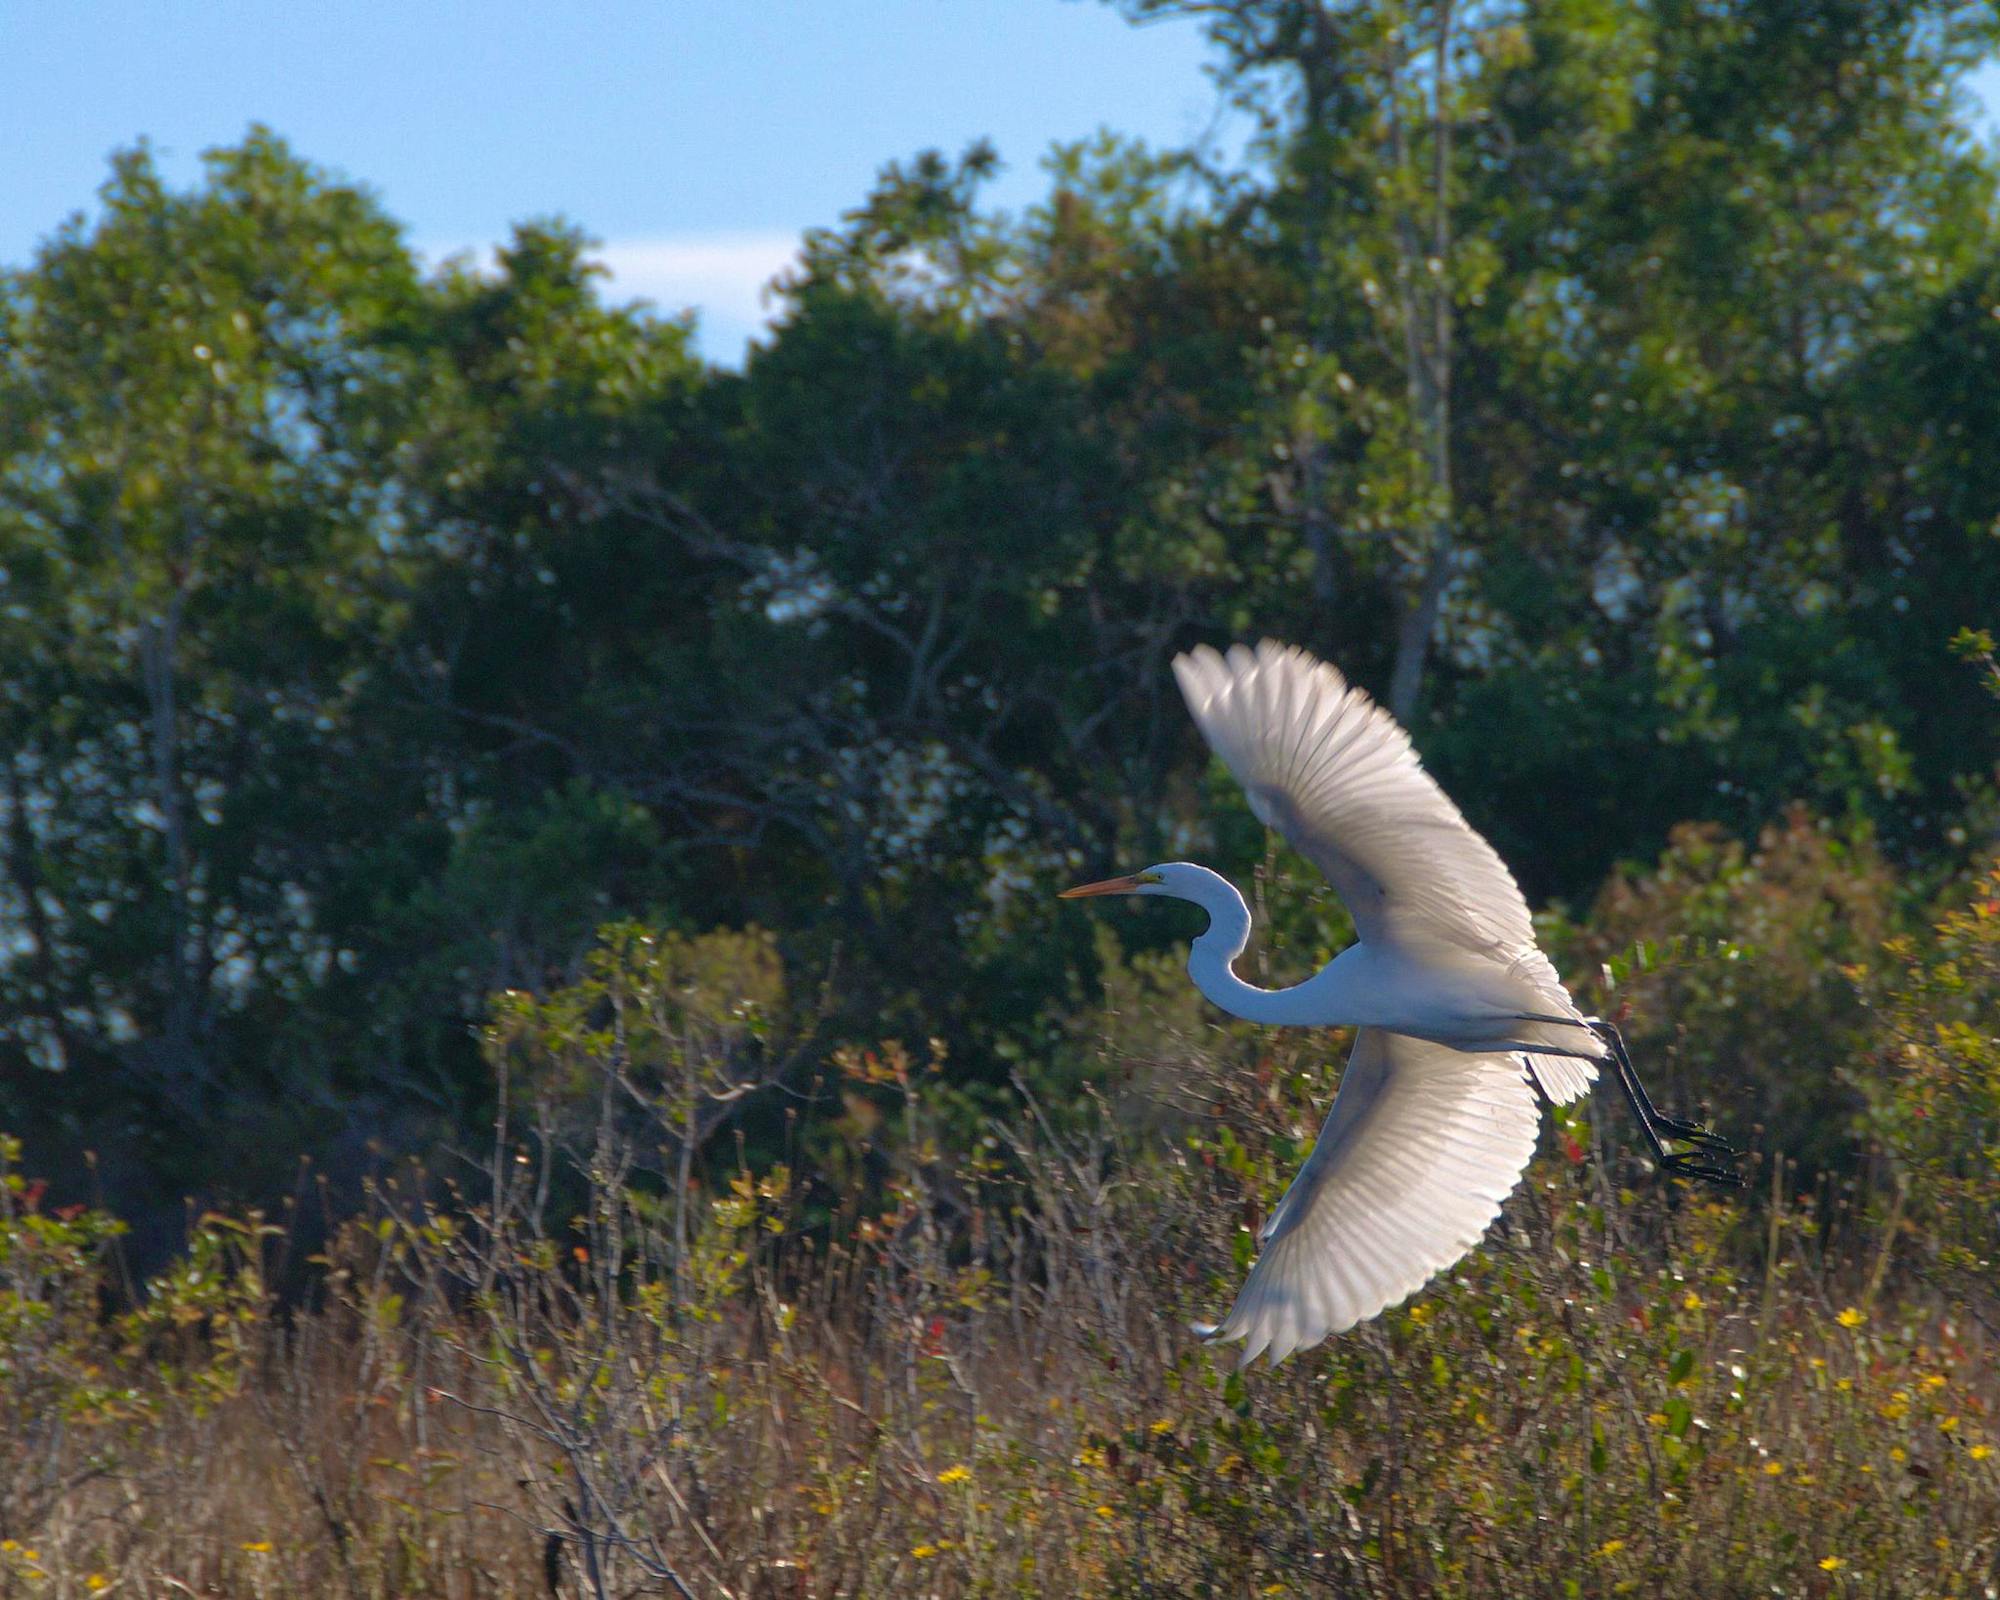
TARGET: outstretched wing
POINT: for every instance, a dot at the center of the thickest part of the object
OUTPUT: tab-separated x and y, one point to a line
1335	774
1422	1145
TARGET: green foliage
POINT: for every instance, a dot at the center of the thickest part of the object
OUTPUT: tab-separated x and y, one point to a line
1604	380
54	1354
1758	1011
196	521
1936	1081
981	1376
84	1387
1609	382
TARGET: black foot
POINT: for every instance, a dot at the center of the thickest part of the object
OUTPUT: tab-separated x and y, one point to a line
1656	1126
1685	1166
1695	1133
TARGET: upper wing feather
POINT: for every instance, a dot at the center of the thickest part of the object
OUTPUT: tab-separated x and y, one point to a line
1335	774
1422	1145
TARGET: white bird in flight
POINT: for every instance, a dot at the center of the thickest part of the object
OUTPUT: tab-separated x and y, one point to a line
1461	1017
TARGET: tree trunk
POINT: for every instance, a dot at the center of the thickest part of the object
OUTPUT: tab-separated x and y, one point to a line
178	1051
24	867
1319	68
1428	353
1413	638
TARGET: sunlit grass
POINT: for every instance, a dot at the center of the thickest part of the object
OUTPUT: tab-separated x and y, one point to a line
965	1367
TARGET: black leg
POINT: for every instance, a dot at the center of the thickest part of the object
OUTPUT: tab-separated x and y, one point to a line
1653	1125
1673	1127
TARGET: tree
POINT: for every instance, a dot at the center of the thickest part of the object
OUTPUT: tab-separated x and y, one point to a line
198	523
1661	245
1363	107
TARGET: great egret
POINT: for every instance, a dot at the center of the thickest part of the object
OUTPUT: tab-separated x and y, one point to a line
1457	1008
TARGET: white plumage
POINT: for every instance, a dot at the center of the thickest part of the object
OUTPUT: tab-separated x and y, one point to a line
1422	1145
1456	1004
1334	773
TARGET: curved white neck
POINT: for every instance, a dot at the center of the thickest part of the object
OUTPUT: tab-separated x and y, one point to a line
1211	955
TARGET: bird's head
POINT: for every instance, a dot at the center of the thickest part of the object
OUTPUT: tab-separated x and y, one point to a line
1228	917
1183	880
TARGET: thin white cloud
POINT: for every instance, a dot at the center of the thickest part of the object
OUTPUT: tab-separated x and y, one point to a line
724	278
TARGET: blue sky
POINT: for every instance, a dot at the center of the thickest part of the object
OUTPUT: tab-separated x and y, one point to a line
695	137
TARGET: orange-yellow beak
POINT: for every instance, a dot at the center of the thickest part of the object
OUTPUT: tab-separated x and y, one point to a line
1125	885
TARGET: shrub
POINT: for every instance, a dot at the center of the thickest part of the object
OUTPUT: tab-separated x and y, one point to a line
1756	1012
549	1371
1935	1088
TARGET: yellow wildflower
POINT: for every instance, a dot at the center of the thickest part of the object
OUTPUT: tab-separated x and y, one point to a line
1773	1468
1831	1564
1164	1425
1852	1317
1106	1512
1935	1380
96	1581
1611	1547
259	1547
954	1475
923	1552
1980	1452
1949	1425
1690	1301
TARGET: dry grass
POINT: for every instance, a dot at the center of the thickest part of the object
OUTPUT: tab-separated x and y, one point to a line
985	1385
944	1354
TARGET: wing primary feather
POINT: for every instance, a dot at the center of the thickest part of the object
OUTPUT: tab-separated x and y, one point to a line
1422	1145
